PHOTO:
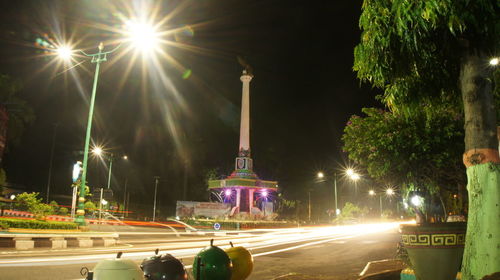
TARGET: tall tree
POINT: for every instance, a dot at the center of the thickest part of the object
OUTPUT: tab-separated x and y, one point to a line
434	51
421	153
19	111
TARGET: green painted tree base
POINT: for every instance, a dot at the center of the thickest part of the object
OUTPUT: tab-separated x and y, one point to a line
482	245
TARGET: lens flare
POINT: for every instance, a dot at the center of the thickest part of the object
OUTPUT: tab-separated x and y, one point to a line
64	52
143	36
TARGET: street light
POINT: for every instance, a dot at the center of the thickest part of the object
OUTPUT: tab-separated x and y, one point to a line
494	61
389	192
157	178
65	53
97	151
142	35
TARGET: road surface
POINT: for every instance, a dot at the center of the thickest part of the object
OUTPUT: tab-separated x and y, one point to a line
340	251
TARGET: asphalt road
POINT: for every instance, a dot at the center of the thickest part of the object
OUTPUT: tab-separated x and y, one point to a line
337	252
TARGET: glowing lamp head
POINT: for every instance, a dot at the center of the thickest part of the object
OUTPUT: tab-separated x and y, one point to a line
142	35
355	177
320	175
264	193
125	157
349	172
416	200
97	151
12	197
371	192
227	192
494	61
64	52
389	192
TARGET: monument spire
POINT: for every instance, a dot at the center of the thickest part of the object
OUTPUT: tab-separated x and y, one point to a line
244	150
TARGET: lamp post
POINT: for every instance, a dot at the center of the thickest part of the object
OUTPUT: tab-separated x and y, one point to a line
96	58
157	178
388	192
144	36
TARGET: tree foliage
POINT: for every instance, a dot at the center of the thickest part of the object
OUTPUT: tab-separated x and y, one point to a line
414	49
33	204
20	113
419	151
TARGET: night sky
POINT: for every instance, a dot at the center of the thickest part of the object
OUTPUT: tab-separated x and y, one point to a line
302	93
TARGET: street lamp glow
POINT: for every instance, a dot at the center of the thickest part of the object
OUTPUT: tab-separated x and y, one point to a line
355	176
125	157
264	193
12	197
143	35
349	172
97	151
416	200
371	192
64	52
494	61
389	192
227	192
320	175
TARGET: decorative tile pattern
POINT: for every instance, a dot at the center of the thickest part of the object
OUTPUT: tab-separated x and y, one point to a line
433	239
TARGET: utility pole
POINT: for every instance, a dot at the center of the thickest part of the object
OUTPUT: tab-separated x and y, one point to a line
157	178
51	160
309	193
336	201
125	196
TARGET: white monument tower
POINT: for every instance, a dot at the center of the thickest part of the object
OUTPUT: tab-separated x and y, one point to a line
243	189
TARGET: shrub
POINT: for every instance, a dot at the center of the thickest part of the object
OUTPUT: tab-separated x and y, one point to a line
4	225
63	211
35	224
31	202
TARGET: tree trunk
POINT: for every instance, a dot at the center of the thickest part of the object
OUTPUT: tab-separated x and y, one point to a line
482	248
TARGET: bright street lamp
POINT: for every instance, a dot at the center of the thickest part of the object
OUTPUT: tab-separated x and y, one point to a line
494	61
97	151
140	36
320	175
143	36
371	192
389	192
416	201
350	172
64	52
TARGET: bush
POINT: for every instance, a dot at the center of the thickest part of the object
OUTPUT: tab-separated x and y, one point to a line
4	225
63	211
35	224
33	204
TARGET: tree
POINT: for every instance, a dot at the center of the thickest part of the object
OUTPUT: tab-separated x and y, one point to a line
432	52
33	204
421	153
54	205
20	113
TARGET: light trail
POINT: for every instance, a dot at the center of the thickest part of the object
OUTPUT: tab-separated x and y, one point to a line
188	249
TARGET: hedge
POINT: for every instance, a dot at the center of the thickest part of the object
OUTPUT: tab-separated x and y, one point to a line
36	224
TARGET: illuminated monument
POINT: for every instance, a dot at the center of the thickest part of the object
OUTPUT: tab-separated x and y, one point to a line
243	188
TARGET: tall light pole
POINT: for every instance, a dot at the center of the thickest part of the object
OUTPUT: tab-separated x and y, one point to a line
96	58
143	35
154	203
388	192
51	160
